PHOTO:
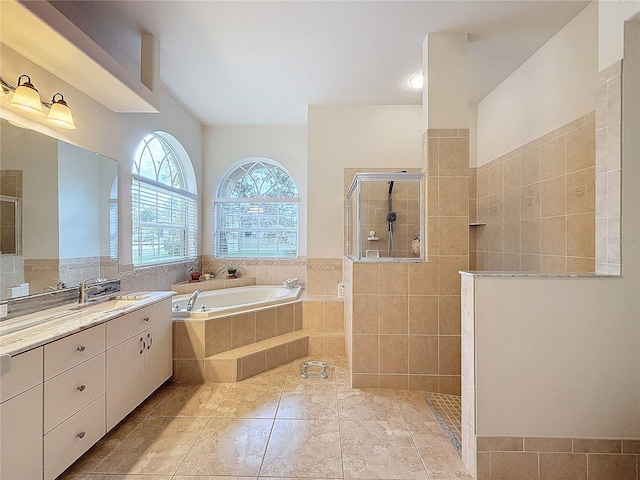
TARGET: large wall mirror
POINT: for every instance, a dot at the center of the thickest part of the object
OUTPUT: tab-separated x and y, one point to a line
58	213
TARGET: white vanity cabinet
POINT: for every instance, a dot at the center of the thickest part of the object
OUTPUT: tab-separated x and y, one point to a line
74	397
139	358
21	416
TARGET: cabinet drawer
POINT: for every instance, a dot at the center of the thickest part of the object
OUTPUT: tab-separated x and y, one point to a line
68	441
20	373
72	390
134	323
67	352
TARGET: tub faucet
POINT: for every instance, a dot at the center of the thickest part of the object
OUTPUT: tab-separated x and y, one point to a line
83	290
192	300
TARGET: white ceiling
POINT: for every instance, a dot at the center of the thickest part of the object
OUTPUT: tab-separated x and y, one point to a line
262	63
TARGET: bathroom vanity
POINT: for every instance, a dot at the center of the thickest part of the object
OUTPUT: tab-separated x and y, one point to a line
72	373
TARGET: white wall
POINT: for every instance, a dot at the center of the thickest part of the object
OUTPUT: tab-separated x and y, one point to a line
103	131
560	357
342	137
226	146
552	88
611	17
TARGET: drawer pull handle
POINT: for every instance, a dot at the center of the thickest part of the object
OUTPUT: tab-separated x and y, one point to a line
81	388
143	346
81	348
150	340
146	319
81	434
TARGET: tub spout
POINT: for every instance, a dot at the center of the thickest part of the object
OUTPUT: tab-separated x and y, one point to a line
192	300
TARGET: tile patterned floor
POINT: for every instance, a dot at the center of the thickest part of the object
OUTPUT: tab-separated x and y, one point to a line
448	412
275	425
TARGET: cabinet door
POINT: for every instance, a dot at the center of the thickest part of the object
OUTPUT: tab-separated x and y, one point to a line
125	378
158	360
21	436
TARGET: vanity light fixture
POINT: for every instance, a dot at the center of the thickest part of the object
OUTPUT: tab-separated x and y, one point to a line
26	97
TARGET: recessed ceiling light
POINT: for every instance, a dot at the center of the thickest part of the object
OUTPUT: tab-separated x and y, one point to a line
417	81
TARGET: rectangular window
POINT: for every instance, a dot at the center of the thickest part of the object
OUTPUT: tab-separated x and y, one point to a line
256	230
164	225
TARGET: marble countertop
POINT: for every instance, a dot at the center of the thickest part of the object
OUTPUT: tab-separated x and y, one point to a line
19	334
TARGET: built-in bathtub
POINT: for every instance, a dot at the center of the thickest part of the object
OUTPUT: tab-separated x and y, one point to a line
233	301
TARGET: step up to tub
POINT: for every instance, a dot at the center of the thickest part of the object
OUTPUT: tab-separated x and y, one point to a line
245	362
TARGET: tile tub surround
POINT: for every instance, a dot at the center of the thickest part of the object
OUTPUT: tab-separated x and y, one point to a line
539	203
279	425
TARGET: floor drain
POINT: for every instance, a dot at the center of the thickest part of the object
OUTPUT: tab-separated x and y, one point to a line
314	369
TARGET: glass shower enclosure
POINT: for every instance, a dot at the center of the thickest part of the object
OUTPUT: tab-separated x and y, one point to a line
385	217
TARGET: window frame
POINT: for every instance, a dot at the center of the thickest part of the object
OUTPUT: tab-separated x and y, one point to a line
182	205
218	201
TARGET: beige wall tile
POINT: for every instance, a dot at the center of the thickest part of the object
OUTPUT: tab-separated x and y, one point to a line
589	445
449	355
496	208
432	156
567	466
612	467
394	278
423	277
284	319
552	158
252	364
218	336
500	444
315	282
313	313
544	444
394	354
216	370
423	354
428	383
366	278
394	314
530	240
189	371
512	172
423	315
333	315
297	349
530	166
359	380
265	324
276	356
366	314
553	197
530	263
530	202
496	237
396	382
512	205
432	196
365	353
553	236
512	237
449	384
243	329
449	315
483	182
496	178
581	191
581	265
553	264
631	446
453	196
581	148
453	236
581	235
453	157
514	466
432	236
448	276
189	340
333	346
484	466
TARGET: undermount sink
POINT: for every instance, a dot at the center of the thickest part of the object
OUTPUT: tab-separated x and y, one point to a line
114	304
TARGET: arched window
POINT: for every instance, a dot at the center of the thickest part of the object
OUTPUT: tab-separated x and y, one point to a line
256	212
164	206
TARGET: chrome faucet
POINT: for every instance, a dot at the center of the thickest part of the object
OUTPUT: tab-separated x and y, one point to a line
192	300
84	290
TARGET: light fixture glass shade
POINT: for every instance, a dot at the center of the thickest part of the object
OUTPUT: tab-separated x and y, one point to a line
60	114
27	97
417	81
